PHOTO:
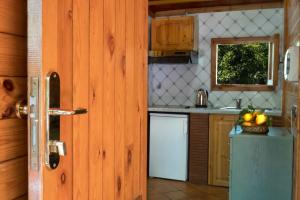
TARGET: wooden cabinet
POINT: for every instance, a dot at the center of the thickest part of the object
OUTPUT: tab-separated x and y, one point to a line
198	148
173	33
219	128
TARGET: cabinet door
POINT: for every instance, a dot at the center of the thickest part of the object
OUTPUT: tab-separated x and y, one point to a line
219	128
175	33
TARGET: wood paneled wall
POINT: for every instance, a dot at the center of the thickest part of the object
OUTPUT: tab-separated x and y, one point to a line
292	35
291	90
198	148
13	72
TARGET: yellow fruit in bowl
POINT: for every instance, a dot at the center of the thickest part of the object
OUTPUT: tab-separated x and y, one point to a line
247	124
261	119
257	112
248	117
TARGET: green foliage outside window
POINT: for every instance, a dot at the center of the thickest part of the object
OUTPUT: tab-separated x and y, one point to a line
243	63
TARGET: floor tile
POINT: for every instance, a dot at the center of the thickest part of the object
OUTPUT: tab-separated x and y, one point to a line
161	189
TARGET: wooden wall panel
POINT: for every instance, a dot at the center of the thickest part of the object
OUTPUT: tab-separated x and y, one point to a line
13	17
12	55
234	6
13	139
293	21
291	90
13	87
13	178
24	197
198	148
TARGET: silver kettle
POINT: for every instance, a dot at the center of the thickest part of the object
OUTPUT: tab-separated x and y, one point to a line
201	98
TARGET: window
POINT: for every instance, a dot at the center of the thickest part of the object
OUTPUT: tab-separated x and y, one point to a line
241	64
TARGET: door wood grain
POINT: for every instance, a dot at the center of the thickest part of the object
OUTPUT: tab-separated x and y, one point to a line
99	48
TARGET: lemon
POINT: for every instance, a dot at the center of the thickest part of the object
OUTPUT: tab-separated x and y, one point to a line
248	117
261	119
247	124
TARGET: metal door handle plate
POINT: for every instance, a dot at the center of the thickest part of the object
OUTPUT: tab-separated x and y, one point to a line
57	111
54	147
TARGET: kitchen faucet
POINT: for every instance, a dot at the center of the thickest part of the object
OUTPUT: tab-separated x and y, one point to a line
238	103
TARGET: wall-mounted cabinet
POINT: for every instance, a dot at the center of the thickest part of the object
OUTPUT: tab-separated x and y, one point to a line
174	34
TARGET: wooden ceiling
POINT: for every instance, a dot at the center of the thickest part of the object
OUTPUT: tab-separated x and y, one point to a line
163	7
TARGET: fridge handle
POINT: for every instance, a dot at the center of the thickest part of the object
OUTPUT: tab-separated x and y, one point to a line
185	131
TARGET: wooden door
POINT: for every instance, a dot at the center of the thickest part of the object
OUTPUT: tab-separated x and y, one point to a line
99	49
219	128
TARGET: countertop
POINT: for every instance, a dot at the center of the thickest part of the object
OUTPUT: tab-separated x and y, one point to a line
273	132
177	109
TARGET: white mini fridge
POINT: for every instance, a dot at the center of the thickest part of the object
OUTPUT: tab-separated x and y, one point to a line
168	153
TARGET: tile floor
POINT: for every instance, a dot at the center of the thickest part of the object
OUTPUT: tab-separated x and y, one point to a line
160	189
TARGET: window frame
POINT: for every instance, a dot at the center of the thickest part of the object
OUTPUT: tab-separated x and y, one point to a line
273	71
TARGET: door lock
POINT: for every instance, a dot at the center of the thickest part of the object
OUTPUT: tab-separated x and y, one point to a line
55	148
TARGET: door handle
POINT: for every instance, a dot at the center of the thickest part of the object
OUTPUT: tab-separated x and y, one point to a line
54	147
57	111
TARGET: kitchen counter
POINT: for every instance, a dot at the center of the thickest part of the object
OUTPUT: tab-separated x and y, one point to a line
176	109
273	131
261	166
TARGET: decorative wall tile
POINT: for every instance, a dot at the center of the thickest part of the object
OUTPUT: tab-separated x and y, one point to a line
175	85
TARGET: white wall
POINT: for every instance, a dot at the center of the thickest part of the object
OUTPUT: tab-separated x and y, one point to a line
175	84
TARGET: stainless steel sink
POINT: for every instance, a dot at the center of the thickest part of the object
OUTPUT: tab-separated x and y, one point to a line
229	108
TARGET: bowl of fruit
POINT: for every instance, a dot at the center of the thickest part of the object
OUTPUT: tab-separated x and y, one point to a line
254	120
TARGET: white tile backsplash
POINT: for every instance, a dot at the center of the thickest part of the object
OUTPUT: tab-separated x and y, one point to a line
176	84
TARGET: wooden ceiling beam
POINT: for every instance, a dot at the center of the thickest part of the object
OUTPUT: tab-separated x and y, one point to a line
191	10
163	2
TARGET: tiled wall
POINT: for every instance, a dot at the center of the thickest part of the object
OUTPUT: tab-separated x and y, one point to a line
171	84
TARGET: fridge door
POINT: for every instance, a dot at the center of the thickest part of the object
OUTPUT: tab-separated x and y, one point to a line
168	146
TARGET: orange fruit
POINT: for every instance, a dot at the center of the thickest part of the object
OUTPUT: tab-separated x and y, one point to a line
247	124
257	112
248	117
261	119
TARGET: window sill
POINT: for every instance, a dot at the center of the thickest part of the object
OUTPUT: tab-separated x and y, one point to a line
240	87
